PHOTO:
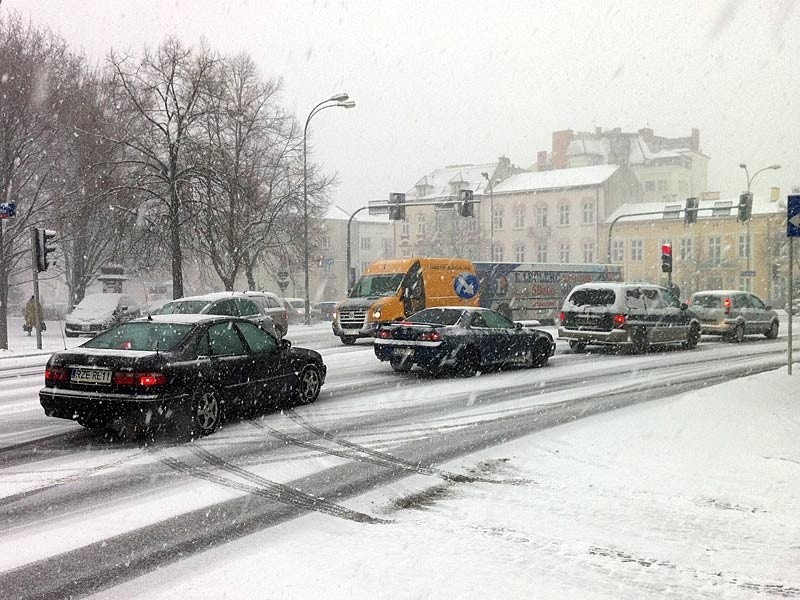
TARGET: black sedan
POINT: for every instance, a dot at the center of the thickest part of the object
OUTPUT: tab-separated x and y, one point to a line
462	339
186	370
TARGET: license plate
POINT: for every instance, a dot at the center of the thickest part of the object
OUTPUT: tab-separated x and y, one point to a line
403	351
98	376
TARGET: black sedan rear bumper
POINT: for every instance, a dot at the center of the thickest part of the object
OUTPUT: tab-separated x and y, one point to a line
95	408
424	354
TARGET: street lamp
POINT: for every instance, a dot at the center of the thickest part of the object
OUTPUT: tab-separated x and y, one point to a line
337	100
491	215
749	181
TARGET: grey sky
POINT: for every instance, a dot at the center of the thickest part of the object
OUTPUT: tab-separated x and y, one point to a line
441	83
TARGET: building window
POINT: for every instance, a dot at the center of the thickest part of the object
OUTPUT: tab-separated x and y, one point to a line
722	209
588	212
405	229
563	252
420	225
327	266
519	252
650	185
563	214
746	284
325	243
541	216
364	265
663	185
440	223
683	186
588	252
541	253
685	249
744	246
519	216
386	244
366	243
637	250
497	219
617	251
497	252
715	250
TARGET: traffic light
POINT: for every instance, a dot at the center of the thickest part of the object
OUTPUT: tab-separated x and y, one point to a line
44	246
745	206
397	212
466	207
666	257
690	214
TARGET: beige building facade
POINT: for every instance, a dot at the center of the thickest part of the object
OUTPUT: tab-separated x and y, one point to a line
716	252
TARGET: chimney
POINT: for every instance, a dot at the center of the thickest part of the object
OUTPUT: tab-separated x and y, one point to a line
561	140
695	139
541	160
598	131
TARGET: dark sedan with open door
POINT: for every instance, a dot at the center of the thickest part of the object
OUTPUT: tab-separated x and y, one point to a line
190	371
461	339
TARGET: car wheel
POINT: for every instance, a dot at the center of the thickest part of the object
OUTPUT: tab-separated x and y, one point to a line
639	343
401	365
540	354
737	336
348	340
205	412
577	347
469	362
772	332
693	336
309	385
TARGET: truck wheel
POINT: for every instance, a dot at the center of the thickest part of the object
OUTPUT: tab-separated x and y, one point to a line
577	347
348	340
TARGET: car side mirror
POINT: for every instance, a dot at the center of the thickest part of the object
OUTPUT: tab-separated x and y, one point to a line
517	325
285	344
768	307
684	306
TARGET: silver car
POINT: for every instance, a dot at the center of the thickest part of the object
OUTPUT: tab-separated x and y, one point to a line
234	304
734	314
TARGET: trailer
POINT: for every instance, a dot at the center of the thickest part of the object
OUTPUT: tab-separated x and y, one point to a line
535	291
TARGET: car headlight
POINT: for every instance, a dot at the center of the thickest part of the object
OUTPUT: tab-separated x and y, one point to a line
376	313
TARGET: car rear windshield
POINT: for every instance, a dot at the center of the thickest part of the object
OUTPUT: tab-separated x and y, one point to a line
437	316
707	301
592	297
141	336
186	307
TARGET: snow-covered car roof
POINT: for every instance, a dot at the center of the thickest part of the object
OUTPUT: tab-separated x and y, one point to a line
186	319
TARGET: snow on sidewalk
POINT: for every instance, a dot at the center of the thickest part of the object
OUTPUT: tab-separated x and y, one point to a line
697	496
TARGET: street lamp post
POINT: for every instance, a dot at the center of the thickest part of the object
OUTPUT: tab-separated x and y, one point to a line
491	215
747	224
337	100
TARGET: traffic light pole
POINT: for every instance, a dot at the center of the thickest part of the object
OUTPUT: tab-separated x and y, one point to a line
35	268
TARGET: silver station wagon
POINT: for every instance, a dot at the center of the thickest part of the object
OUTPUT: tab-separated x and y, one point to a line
734	314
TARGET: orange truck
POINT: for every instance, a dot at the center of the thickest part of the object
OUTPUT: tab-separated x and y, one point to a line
393	289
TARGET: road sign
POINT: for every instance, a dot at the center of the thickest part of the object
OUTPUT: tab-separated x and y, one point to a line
793	216
7	210
282	275
381	209
747	274
466	285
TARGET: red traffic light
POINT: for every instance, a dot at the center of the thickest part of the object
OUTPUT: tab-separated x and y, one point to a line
666	249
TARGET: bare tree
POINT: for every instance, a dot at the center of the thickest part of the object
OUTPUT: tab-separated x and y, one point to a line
162	98
249	201
37	74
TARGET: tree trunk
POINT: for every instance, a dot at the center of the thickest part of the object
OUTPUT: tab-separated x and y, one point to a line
3	293
176	253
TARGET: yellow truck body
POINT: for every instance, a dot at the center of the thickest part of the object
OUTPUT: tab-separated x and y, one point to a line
395	288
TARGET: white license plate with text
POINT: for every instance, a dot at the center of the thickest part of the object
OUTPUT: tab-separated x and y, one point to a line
99	376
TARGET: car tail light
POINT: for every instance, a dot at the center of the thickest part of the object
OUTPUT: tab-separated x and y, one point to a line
562	316
619	320
385	334
146	380
430	336
56	375
727	306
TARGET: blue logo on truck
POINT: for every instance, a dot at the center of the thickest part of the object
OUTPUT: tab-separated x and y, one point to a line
466	285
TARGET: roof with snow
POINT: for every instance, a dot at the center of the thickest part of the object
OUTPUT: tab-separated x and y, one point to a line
722	207
338	214
556	179
440	182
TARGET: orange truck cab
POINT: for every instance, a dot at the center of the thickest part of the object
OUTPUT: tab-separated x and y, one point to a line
393	289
